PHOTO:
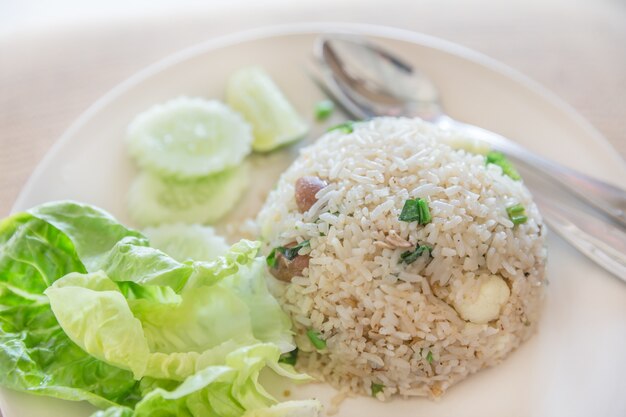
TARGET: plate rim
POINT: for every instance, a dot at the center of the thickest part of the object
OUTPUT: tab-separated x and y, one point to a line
269	31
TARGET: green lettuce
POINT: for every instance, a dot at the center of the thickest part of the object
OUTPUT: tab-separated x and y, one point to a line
130	260
101	243
168	335
161	340
36	355
92	231
229	390
89	311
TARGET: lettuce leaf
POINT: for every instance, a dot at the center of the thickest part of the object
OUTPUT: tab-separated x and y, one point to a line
229	390
130	260
269	322
101	243
161	334
149	338
36	355
92	231
89	311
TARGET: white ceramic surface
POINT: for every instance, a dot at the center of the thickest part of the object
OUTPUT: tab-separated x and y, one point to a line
574	366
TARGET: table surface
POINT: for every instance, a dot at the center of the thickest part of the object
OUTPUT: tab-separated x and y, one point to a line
50	73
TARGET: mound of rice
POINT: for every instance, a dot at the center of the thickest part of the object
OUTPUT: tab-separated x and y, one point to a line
392	327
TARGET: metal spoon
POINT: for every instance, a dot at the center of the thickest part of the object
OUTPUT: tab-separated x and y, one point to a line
370	81
383	85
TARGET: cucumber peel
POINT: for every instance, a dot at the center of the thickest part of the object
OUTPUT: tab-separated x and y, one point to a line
275	122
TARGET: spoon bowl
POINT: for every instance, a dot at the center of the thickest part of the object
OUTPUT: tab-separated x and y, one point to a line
375	81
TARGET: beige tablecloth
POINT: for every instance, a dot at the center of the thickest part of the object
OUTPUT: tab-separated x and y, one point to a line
48	76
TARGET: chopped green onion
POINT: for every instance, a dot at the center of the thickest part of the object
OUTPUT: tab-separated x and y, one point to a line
517	214
516	209
429	357
346	127
411	256
519	219
289	358
410	211
415	211
271	258
323	109
500	160
376	388
316	339
424	211
289	253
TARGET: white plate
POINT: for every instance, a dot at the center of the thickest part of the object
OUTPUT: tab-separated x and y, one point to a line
572	367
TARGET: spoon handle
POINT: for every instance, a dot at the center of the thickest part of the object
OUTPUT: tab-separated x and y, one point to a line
601	241
606	198
596	238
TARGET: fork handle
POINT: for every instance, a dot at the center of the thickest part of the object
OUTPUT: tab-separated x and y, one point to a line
605	197
596	238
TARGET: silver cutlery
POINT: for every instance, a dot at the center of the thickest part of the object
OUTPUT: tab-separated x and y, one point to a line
370	81
367	81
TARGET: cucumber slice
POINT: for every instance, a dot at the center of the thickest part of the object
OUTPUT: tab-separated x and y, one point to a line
187	241
154	200
275	122
188	138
